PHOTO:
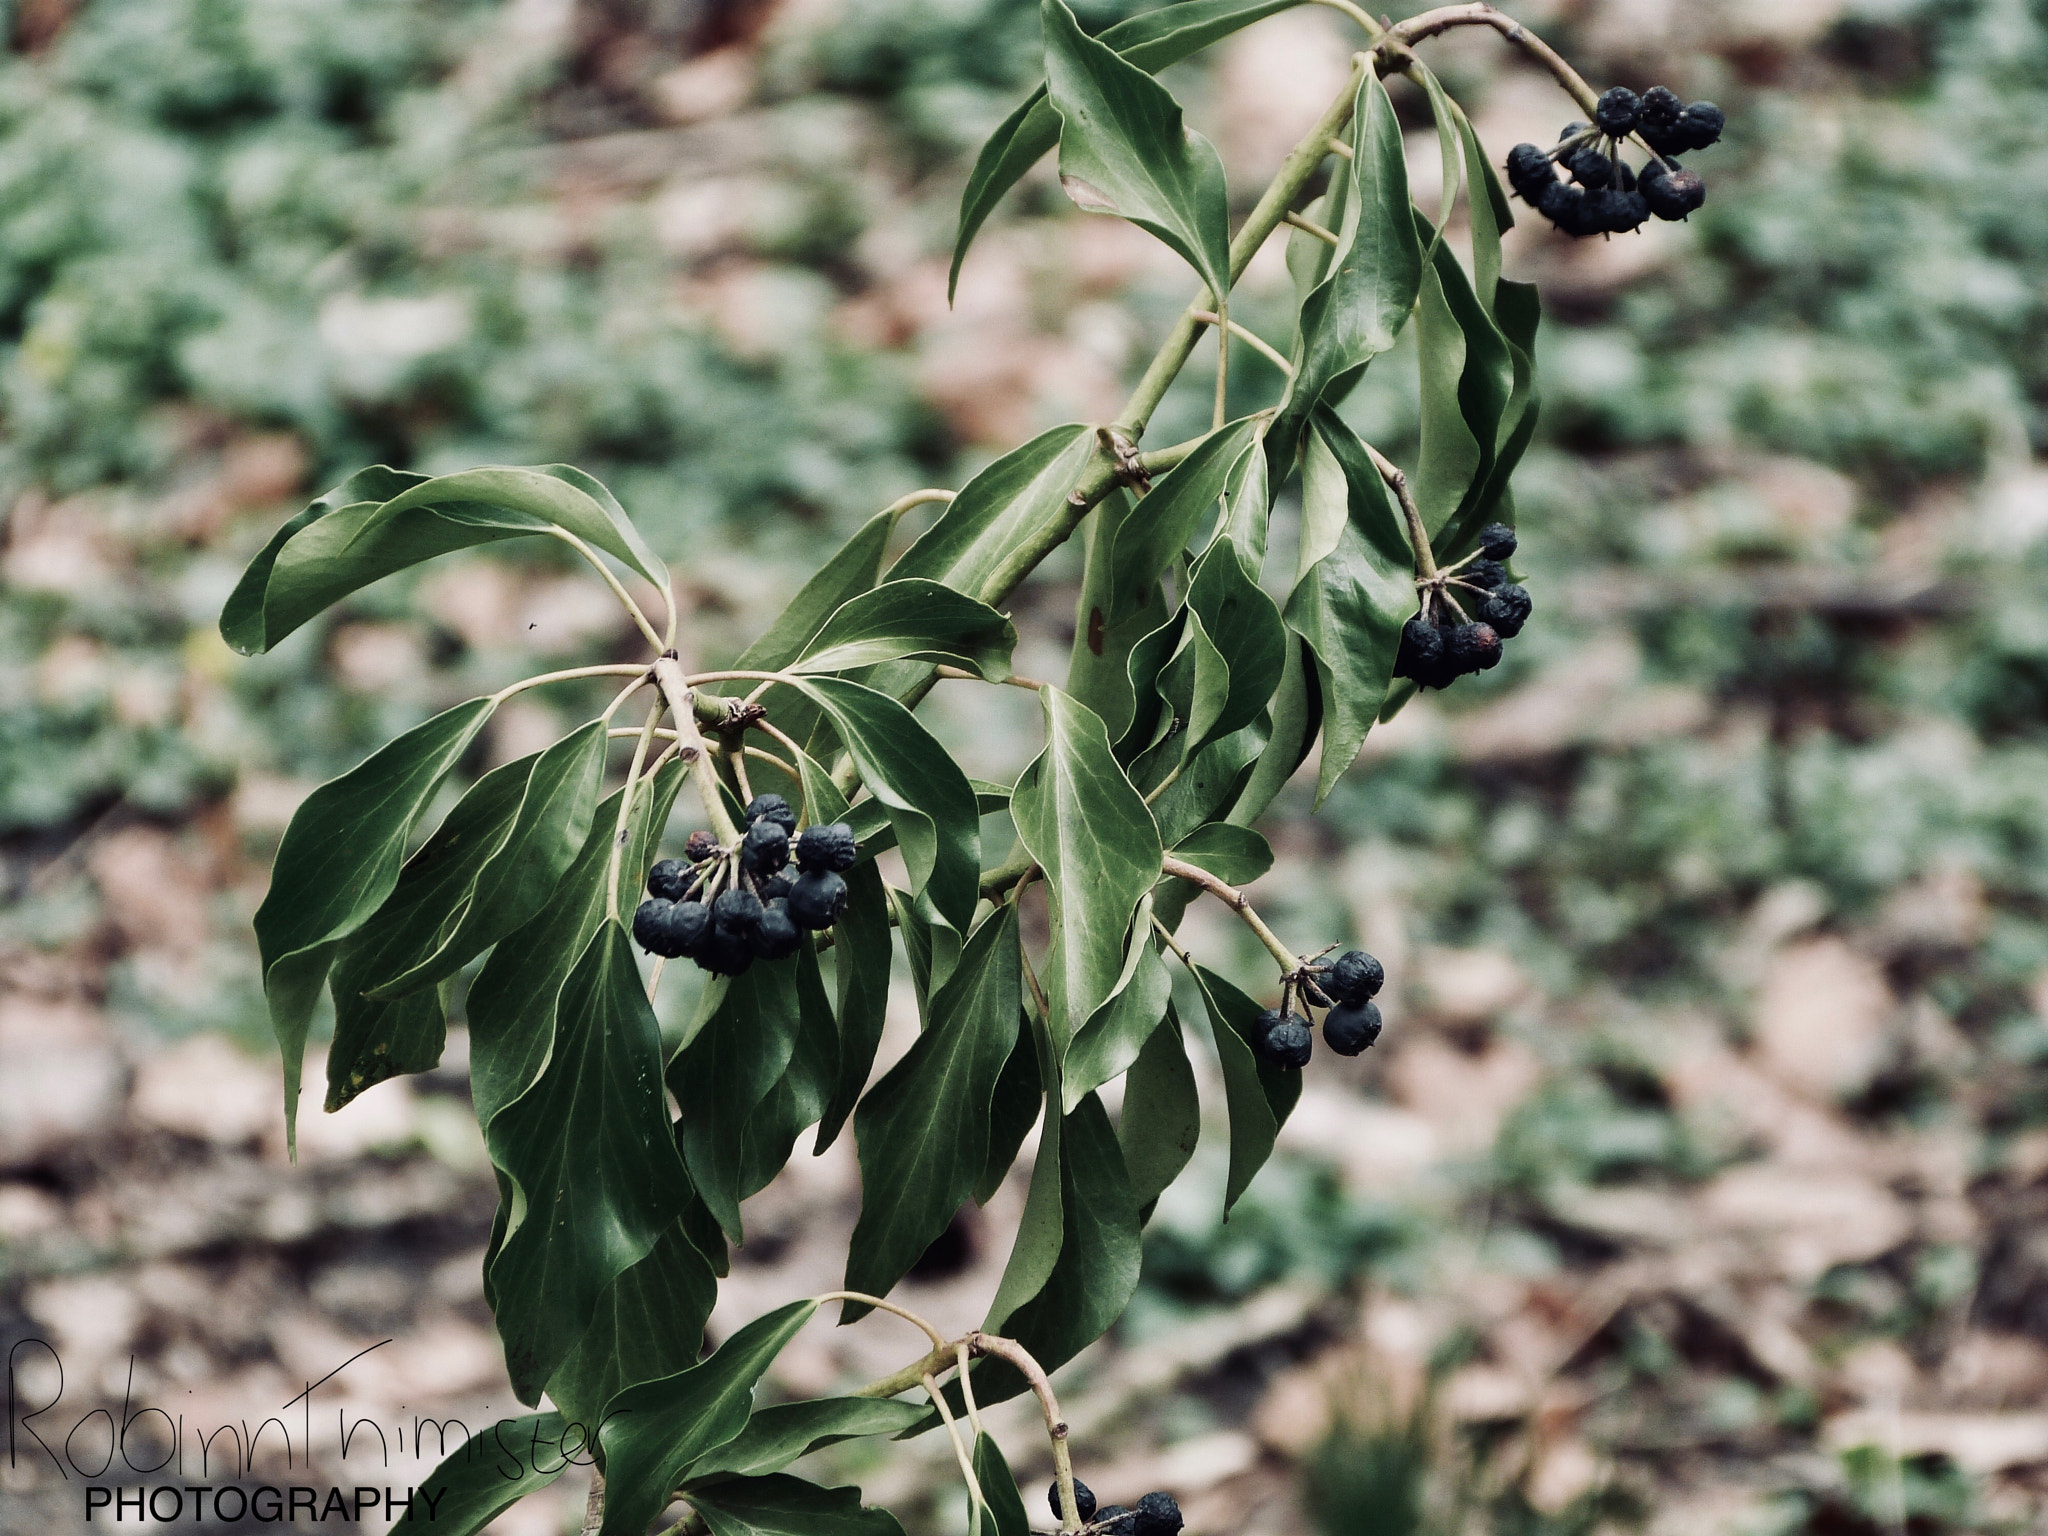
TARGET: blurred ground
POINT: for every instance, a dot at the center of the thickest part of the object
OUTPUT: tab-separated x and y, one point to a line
1702	1180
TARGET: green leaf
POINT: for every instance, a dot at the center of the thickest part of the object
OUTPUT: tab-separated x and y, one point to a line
1177	506
1354	590
1151	41
590	1149
798	1099
854	569
1162	1119
1008	505
1491	213
241	618
1040	1230
1449	152
489	1473
778	1435
923	1130
999	1489
724	1073
1234	855
930	944
1195	686
351	545
930	803
788	1506
1117	1030
1518	314
658	1430
1125	150
1244	626
1260	1097
553	821
339	859
1210	781
1111	616
1015	1107
648	1324
916	619
1294	717
1246	515
375	1038
1091	833
1468	384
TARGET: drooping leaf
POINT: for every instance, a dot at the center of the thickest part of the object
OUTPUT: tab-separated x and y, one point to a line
649	1323
1468	379
1450	156
724	1073
241	617
351	545
1234	855
1011	1113
999	1489
1195	687
1491	215
339	859
658	1430
1125	150
852	570
1244	626
1006	506
375	1039
1162	1119
778	1435
1092	834
553	821
923	1130
1246	515
797	1100
916	619
930	944
1110	616
1354	589
782	1505
1294	717
1151	41
1492	500
1041	1229
493	1470
1260	1096
1176	507
1114	1034
590	1149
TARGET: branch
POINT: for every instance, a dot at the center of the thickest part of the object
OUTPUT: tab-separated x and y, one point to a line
1431	23
611	875
690	747
1013	680
639	615
1418	535
1020	1358
1237	901
1259	344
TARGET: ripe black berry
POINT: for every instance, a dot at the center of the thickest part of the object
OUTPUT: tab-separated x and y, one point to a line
1422	646
1616	112
1529	171
771	808
1286	1043
828	846
668	880
1354	977
1115	1520
1589	168
1659	110
724	954
765	848
1674	193
817	898
1616	212
778	937
1472	647
772	886
1506	610
736	914
700	846
1351	1027
1158	1515
1497	541
1084	1500
1565	206
1701	124
650	926
1572	131
1486	573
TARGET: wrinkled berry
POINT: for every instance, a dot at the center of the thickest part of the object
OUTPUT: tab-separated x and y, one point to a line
772	886
1158	1515
668	880
1529	171
1572	131
1287	1042
1472	647
699	846
1616	212
778	937
817	898
771	808
765	848
724	954
1354	977
1589	168
1422	646
1702	124
1616	112
1659	110
827	846
1351	1027
1084	1500
650	926
1672	194
1497	541
1565	206
1485	573
736	913
1507	610
1115	1520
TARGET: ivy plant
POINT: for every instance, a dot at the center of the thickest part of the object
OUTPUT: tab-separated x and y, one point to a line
1201	680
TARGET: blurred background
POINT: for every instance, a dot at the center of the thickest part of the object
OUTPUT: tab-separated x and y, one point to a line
1700	1184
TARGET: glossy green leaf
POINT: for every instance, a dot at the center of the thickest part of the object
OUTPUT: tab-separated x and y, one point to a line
930	944
1178	505
1450	152
1008	505
1114	1034
1491	213
1468	383
658	1430
1208	782
1244	626
1125	150
1011	1113
553	821
724	1073
788	1506
1294	717
1151	41
1092	834
1247	512
378	1038
591	1152
1195	687
1234	855
913	618
1518	314
1162	1118
1354	589
797	1100
999	1489
852	570
778	1435
1111	616
353	544
1260	1097
241	617
340	858
923	1130
493	1470
649	1323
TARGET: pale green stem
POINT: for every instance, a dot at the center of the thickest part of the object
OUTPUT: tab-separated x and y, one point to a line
1013	680
1257	343
1430	23
903	504
967	1388
611	879
682	702
1372	28
639	615
1418	534
1237	901
881	1305
611	669
1221	413
931	1387
1309	226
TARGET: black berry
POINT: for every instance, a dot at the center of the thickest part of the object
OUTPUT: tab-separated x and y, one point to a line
778	937
1486	573
1497	541
668	880
765	848
1616	212
650	926
1589	168
1616	112
724	954
1529	171
1286	1043
1354	977
1472	647
1351	1027
772	886
1658	111
1701	124
1115	1520
1084	1500
1422	646
1565	206
1506	611
771	808
1312	993
670	929
817	898
736	914
700	846
1572	131
1674	193
827	846
1158	1515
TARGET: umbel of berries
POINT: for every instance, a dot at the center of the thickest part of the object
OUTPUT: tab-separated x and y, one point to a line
1469	611
1605	195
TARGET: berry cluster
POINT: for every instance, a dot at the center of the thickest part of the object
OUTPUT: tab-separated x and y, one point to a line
1157	1514
726	908
1346	986
1441	644
1604	196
